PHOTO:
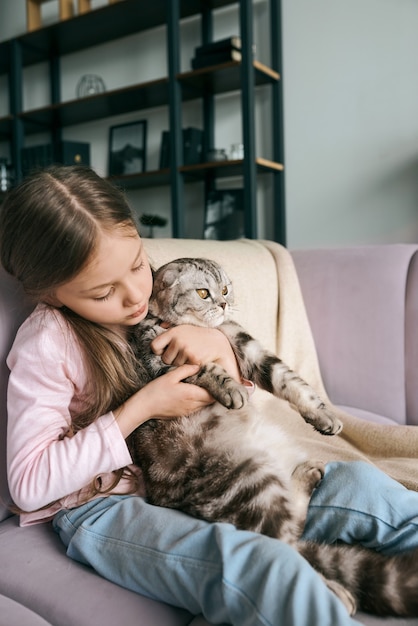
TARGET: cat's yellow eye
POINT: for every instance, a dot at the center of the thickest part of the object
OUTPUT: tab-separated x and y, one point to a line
203	293
225	291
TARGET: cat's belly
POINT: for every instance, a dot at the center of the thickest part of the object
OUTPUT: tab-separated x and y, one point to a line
247	434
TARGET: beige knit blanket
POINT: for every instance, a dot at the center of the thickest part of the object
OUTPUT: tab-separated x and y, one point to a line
394	449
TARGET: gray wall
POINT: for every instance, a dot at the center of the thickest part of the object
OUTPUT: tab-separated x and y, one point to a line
351	114
351	111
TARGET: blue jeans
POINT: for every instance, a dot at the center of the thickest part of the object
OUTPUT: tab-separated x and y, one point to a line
238	577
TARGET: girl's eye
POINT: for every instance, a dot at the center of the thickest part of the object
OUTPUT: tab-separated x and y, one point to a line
104	298
203	293
138	267
225	291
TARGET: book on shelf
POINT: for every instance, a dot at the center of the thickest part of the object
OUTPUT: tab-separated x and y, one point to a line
219	46
192	147
69	153
165	150
36	157
216	58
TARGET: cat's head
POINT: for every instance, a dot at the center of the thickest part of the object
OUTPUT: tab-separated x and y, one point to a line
192	291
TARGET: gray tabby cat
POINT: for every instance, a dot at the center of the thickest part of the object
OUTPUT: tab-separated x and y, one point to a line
228	463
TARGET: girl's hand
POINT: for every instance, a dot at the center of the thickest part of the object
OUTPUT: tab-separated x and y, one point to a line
165	397
197	345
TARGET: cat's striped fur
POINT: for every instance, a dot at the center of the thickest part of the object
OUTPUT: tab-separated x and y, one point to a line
229	463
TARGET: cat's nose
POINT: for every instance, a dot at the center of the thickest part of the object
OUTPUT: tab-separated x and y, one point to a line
223	305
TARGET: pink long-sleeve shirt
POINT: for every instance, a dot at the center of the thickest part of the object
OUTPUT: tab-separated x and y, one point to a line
47	380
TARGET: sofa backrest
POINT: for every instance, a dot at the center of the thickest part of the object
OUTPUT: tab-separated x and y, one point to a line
14	307
362	305
249	264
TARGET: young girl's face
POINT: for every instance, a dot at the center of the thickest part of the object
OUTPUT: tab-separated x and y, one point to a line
114	288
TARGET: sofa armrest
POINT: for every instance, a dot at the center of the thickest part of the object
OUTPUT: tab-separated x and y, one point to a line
411	342
361	302
13	309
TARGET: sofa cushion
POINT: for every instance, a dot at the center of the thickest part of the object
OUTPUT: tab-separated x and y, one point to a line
14	614
36	572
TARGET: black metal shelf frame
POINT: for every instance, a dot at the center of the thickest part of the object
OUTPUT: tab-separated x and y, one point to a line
121	19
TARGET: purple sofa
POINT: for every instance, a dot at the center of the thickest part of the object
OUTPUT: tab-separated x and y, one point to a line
362	304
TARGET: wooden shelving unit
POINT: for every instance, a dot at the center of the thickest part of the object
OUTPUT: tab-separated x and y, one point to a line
124	18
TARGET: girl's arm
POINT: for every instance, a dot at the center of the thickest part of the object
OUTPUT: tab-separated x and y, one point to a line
187	347
163	398
45	463
47	379
196	345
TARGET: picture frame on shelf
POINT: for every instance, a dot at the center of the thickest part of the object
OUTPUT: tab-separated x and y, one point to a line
128	148
224	215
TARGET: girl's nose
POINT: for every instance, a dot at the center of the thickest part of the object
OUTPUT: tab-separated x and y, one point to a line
133	294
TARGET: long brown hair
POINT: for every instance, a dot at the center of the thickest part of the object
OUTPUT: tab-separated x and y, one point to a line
49	228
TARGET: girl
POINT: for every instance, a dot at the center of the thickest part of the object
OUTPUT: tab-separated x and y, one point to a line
70	238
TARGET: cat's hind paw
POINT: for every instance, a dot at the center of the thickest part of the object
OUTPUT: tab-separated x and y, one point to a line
309	475
323	420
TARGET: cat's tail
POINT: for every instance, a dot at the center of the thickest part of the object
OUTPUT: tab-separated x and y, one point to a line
379	584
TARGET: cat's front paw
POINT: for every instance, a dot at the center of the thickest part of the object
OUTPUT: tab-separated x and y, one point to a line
236	398
323	420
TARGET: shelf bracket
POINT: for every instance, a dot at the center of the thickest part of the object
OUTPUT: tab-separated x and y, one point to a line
16	105
248	122
279	223
176	136
208	97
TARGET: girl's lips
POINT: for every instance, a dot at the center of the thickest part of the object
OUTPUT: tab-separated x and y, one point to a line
139	312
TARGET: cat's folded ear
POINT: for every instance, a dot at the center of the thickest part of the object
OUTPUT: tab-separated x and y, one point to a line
169	279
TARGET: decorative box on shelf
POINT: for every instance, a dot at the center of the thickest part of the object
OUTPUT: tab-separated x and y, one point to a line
66	10
217	52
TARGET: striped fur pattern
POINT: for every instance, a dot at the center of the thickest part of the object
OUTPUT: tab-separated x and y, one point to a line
228	463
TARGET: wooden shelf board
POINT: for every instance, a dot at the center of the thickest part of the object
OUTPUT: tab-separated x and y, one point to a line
106	104
269	165
219	79
192	173
223	77
97	27
154	178
265	69
227	168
